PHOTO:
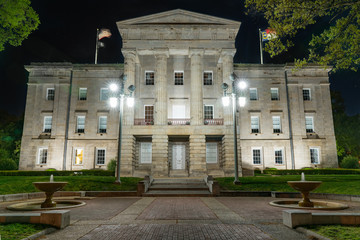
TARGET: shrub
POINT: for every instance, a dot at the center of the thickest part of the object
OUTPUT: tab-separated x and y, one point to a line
112	165
350	162
59	173
8	164
318	171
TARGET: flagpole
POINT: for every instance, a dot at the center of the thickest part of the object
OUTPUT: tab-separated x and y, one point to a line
261	51
97	45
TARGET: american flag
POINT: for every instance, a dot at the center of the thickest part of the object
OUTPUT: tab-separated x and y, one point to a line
104	33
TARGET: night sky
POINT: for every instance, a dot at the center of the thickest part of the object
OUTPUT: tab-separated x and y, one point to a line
67	33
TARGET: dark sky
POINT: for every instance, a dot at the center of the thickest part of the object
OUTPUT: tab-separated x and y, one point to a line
68	31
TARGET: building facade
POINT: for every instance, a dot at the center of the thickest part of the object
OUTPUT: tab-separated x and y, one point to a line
178	61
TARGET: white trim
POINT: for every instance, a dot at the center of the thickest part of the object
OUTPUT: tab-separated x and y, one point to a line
216	154
257	95
272	118
100	124
38	155
278	94
252	156
74	156
96	157
213	110
282	155
77	123
45	122
319	155
309	93
81	88
147	144
312	124
258	124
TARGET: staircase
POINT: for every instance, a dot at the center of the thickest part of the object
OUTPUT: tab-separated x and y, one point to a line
181	187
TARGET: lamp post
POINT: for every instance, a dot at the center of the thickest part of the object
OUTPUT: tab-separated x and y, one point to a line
119	93
226	101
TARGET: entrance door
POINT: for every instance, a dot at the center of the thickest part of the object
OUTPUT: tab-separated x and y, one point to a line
178	157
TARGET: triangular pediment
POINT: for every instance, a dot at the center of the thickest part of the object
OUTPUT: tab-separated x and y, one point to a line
178	16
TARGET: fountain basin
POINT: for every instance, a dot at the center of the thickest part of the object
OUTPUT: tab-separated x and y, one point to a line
318	205
36	205
306	186
49	188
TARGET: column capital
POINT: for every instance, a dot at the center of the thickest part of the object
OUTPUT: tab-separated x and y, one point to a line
196	52
228	52
129	52
161	52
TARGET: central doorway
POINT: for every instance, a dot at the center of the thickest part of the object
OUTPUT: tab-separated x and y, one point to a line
178	157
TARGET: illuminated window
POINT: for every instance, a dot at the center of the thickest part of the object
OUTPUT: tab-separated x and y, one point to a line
179	78
80	124
145	152
102	124
100	156
256	156
279	156
309	124
276	124
42	156
306	94
255	124
253	94
211	152
274	94
208	78
314	155
47	124
104	94
149	78
208	112
82	94
78	156
50	94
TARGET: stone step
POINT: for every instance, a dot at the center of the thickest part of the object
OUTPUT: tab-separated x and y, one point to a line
177	193
166	187
178	180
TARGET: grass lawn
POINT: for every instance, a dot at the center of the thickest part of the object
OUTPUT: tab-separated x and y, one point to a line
337	232
23	184
17	231
338	184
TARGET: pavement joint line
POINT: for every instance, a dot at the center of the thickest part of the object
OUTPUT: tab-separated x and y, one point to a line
221	211
133	211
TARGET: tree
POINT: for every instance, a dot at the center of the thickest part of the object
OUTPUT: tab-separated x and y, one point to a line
17	21
337	45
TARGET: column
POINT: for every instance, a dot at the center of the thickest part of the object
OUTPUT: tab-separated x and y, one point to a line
161	114
196	106
129	71
159	166
227	56
127	155
197	155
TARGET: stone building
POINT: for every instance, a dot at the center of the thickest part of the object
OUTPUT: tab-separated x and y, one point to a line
177	61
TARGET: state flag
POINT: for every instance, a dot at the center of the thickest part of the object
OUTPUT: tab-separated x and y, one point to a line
268	34
104	33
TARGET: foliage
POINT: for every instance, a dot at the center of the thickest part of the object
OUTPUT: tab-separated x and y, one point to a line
17	231
7	164
350	162
337	231
336	184
318	171
23	184
112	165
58	173
337	45
17	21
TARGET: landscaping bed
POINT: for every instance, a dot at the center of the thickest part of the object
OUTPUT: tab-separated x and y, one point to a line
336	232
17	231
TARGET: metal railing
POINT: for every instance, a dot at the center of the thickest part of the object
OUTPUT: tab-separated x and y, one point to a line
214	121
177	121
142	121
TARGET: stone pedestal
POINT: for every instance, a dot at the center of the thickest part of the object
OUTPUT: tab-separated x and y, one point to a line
197	155
159	166
196	108
228	156
127	155
161	89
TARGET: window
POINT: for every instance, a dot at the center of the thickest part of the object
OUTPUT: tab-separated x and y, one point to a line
47	124
208	112
100	156
256	155
253	94
78	156
255	126
50	94
208	78
149	114
82	94
80	124
279	156
306	94
149	78
104	94
211	152
314	155
179	78
276	124
42	155
274	94
309	124
145	152
102	124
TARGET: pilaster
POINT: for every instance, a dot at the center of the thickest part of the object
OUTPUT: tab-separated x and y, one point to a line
161	88
129	71
127	155
227	56
196	109
159	166
197	155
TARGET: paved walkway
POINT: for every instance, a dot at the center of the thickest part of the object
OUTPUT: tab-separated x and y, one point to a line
177	218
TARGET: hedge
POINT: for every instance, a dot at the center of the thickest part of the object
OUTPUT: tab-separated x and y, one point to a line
59	173
319	171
